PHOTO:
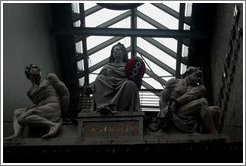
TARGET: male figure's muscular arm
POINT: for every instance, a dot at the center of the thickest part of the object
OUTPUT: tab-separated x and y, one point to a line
61	89
193	93
166	93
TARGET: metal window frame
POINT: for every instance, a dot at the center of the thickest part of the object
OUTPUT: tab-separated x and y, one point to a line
182	36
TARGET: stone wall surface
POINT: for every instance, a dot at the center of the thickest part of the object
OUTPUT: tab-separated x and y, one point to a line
226	60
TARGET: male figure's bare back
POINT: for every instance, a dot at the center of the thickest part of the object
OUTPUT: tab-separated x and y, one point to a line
47	111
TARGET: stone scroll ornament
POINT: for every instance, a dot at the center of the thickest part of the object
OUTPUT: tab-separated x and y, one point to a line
135	69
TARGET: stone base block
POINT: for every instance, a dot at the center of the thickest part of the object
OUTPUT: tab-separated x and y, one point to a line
122	124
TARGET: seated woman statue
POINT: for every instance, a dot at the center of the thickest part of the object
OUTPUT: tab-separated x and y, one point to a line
183	103
44	93
113	91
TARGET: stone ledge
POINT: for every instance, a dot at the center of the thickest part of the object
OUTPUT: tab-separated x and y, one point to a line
203	152
147	140
100	115
70	135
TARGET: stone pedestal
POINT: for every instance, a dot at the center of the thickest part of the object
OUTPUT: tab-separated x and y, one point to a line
119	125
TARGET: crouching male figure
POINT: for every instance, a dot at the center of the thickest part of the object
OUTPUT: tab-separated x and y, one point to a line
50	97
183	103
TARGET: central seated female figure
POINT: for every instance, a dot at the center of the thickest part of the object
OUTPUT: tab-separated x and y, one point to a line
113	91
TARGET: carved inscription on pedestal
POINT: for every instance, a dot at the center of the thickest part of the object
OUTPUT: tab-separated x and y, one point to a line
123	124
110	129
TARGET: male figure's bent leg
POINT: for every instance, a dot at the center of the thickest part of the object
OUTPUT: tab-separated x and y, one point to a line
200	107
215	111
18	129
36	117
35	120
207	117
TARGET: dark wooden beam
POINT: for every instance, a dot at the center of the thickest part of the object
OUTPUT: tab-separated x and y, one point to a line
126	32
84	45
133	26
180	40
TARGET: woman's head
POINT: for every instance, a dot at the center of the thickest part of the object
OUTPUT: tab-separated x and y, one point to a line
118	50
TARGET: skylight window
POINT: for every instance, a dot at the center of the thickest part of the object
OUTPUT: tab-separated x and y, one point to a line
124	23
168	42
159	53
89	5
152	82
141	24
100	17
174	6
75	8
188	9
159	15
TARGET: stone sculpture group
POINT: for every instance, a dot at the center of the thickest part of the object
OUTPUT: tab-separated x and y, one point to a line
182	102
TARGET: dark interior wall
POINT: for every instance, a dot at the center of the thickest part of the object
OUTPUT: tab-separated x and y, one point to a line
227	69
202	20
62	17
26	39
220	57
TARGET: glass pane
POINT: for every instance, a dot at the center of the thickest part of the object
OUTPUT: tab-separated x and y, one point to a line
186	27
80	65
185	50
101	16
156	69
159	15
99	56
125	23
188	9
93	41
77	23
89	5
78	47
157	53
144	25
168	78
168	42
152	82
75	8
183	68
93	75
82	81
174	6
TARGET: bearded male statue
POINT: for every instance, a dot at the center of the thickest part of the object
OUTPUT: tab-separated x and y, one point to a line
183	104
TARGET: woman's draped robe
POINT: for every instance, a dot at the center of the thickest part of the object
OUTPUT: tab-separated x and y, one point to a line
112	89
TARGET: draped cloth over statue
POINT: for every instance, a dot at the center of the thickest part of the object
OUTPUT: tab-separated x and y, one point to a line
114	91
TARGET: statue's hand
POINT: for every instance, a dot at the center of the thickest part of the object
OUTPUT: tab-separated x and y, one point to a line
23	116
173	107
173	104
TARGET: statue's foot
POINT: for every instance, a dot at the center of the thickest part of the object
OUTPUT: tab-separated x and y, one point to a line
106	110
12	137
215	132
110	110
196	133
53	131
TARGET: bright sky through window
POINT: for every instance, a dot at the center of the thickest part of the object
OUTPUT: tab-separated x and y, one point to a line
146	15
